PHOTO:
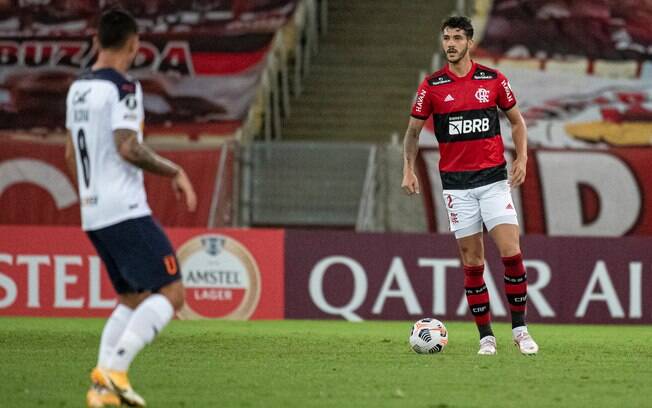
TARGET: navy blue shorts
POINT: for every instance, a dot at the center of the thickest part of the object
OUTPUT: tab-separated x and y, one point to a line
137	254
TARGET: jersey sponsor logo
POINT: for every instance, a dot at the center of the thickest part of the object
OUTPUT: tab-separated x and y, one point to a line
220	276
80	96
420	97
449	98
482	74
508	90
482	95
460	126
440	80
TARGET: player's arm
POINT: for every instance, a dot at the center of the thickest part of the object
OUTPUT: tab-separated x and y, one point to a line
71	160
140	155
410	149
519	135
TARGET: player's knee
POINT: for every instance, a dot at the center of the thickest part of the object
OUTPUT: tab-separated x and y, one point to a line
509	250
471	256
132	300
175	293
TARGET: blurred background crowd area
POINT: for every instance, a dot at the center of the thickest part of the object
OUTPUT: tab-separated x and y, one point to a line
290	113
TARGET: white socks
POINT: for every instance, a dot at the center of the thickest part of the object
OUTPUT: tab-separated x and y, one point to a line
149	318
112	332
518	330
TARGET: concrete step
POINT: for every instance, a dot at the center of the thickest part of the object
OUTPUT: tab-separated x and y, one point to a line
362	81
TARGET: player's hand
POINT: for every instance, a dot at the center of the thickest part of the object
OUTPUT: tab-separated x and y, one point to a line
517	173
183	187
410	183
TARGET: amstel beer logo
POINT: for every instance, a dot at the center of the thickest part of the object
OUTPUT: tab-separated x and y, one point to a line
221	278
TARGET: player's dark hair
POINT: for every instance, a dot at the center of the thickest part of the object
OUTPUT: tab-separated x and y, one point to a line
461	22
115	28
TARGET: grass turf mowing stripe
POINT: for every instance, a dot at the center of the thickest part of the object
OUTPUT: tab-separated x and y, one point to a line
45	362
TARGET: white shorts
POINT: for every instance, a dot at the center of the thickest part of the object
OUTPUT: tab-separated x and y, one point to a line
468	209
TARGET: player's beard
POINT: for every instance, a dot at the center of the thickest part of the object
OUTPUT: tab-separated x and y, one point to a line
458	56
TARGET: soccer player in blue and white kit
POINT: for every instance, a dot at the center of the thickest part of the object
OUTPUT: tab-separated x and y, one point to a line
106	153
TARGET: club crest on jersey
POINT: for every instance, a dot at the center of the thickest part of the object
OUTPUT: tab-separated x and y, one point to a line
131	102
482	95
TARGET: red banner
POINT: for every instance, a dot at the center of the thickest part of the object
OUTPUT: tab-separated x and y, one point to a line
35	187
55	271
197	62
567	192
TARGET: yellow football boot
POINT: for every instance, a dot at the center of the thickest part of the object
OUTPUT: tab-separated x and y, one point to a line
101	397
118	382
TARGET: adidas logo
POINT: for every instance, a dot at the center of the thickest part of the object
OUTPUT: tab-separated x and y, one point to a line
509	206
449	98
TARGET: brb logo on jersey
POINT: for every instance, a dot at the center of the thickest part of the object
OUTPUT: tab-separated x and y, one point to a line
482	95
457	125
221	278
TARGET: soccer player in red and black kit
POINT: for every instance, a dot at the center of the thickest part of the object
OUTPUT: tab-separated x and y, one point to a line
464	98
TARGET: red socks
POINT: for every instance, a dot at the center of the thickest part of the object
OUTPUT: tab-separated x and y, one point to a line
477	295
515	283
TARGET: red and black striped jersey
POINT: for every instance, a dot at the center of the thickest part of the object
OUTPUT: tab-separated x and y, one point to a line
465	117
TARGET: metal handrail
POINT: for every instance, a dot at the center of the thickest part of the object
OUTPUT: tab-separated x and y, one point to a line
365	219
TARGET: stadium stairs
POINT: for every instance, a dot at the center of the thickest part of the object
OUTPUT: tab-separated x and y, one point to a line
362	81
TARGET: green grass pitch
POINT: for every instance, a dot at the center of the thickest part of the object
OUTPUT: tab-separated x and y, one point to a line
45	363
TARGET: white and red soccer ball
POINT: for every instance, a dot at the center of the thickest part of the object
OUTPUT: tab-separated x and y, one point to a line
428	336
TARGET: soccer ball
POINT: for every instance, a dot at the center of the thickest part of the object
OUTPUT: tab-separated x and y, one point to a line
428	336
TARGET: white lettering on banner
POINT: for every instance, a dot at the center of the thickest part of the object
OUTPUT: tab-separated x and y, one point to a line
535	297
612	180
62	279
439	267
94	289
40	173
497	307
316	287
635	289
600	276
38	264
9	286
33	263
405	291
175	56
